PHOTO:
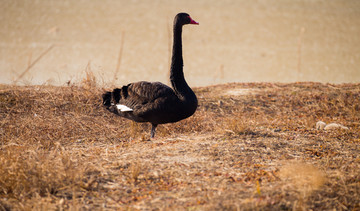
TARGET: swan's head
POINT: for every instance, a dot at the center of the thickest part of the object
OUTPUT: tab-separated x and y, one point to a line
184	18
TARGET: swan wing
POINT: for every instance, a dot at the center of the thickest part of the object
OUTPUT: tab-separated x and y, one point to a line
143	97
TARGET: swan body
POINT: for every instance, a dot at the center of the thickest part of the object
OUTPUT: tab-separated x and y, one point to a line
155	102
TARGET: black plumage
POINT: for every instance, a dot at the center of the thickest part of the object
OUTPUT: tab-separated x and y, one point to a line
155	102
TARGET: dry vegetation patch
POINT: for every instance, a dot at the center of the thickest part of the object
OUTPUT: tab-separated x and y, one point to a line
249	146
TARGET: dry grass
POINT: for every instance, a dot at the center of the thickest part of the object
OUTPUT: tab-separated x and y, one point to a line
256	149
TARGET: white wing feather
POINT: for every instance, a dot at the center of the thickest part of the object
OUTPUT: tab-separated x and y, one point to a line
123	108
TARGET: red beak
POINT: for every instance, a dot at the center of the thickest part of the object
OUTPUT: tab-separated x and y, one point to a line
193	22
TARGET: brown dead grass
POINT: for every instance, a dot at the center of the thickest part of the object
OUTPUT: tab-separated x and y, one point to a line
257	149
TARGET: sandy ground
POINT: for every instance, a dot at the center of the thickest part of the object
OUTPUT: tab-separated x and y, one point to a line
236	41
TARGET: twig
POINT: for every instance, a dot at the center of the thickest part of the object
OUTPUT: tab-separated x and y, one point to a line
119	57
302	30
30	65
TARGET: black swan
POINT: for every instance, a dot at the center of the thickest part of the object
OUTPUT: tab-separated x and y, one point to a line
155	102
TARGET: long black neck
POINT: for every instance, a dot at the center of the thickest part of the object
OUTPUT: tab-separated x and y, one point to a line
177	79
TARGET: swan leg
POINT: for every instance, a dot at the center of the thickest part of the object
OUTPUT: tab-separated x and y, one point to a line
153	130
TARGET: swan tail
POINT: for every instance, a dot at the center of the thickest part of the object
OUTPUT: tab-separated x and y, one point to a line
118	94
112	99
106	99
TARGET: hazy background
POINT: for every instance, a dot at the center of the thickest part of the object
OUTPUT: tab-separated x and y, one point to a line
236	41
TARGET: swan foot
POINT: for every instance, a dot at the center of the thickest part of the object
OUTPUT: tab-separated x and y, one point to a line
153	128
